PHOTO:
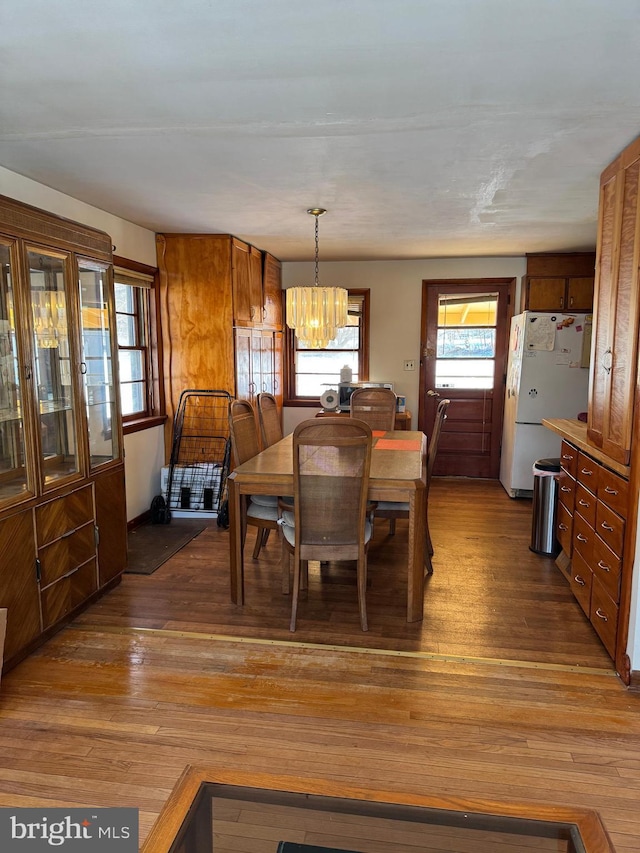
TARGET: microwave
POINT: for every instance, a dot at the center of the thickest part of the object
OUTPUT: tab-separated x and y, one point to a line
346	389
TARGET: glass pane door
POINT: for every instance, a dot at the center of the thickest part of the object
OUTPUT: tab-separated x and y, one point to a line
97	367
13	472
56	417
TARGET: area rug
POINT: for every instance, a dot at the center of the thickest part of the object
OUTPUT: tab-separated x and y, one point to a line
150	545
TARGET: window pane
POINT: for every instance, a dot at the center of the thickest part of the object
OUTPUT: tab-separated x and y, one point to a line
131	363
466	343
317	370
126	329
461	310
125	298
464	373
132	397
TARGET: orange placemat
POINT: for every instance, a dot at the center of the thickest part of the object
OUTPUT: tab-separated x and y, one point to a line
377	433
397	444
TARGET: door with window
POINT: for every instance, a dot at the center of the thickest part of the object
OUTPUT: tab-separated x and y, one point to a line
464	351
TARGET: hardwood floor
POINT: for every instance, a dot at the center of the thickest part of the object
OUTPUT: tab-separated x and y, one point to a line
503	692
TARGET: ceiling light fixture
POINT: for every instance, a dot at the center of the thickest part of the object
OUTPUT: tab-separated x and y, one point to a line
316	313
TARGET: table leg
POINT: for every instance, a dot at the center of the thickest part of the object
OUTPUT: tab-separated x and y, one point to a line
415	574
236	542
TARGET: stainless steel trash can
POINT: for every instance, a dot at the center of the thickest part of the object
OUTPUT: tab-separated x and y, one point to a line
545	496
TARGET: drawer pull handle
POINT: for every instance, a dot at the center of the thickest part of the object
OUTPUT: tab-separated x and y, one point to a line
606	526
565	489
581	538
603	566
610	491
580	581
68	533
567	456
562	526
587	472
584	503
602	615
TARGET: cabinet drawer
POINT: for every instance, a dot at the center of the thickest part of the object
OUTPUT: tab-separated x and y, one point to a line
564	529
63	596
581	581
566	490
569	458
613	491
606	567
610	528
57	517
583	538
66	554
588	471
585	504
604	616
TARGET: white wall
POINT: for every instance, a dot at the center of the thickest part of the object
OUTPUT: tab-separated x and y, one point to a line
144	451
396	304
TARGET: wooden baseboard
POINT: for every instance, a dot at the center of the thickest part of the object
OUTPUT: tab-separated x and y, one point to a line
138	520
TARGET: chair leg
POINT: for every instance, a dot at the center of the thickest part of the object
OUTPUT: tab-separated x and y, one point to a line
261	540
286	569
296	591
362	592
392	527
429	543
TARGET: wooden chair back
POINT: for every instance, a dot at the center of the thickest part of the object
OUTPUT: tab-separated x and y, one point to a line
374	406
269	417
243	431
440	418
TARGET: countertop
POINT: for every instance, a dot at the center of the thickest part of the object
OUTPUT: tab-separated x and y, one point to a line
575	431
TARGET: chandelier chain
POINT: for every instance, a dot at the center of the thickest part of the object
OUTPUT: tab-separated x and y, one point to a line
317	251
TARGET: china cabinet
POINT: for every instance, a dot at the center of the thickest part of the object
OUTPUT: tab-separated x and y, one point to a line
61	466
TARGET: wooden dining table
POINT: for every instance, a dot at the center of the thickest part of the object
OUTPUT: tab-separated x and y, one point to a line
398	473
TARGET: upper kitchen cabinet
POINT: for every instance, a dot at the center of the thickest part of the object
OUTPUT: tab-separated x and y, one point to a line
615	329
272	291
246	269
559	282
60	425
208	288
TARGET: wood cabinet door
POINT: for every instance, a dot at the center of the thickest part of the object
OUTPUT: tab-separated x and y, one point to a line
19	591
246	276
545	294
278	368
244	364
614	350
267	363
111	520
580	293
272	292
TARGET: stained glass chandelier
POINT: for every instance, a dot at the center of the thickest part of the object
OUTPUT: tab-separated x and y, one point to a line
316	313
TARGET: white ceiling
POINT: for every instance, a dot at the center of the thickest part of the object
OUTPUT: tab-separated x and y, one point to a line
428	128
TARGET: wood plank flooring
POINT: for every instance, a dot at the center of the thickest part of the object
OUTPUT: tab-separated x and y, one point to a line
504	692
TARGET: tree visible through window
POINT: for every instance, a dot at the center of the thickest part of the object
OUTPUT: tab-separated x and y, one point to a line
312	371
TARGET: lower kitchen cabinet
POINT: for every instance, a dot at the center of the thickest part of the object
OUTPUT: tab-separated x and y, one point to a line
19	588
590	526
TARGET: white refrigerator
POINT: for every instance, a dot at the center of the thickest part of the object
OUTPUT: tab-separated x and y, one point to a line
547	377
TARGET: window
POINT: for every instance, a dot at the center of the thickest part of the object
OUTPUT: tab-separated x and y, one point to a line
466	340
137	354
312	371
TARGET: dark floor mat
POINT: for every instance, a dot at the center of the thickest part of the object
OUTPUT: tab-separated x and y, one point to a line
150	545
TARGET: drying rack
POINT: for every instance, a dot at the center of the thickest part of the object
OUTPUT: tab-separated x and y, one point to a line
200	453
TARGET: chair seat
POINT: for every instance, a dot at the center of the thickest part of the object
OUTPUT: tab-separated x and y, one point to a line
262	512
287	525
393	506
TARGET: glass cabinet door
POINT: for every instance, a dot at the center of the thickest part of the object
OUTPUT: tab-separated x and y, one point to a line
52	359
14	479
97	366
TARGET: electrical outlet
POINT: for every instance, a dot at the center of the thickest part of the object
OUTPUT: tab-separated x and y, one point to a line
410	365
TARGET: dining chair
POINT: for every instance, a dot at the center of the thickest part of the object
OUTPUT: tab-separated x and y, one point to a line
374	406
270	425
393	510
260	511
329	521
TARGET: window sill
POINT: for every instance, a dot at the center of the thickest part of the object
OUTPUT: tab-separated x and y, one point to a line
142	423
307	404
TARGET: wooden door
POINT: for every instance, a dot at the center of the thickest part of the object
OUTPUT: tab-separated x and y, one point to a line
465	331
244	364
272	292
545	294
247	284
19	591
580	293
111	519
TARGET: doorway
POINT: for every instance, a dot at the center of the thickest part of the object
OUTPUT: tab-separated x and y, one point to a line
464	338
